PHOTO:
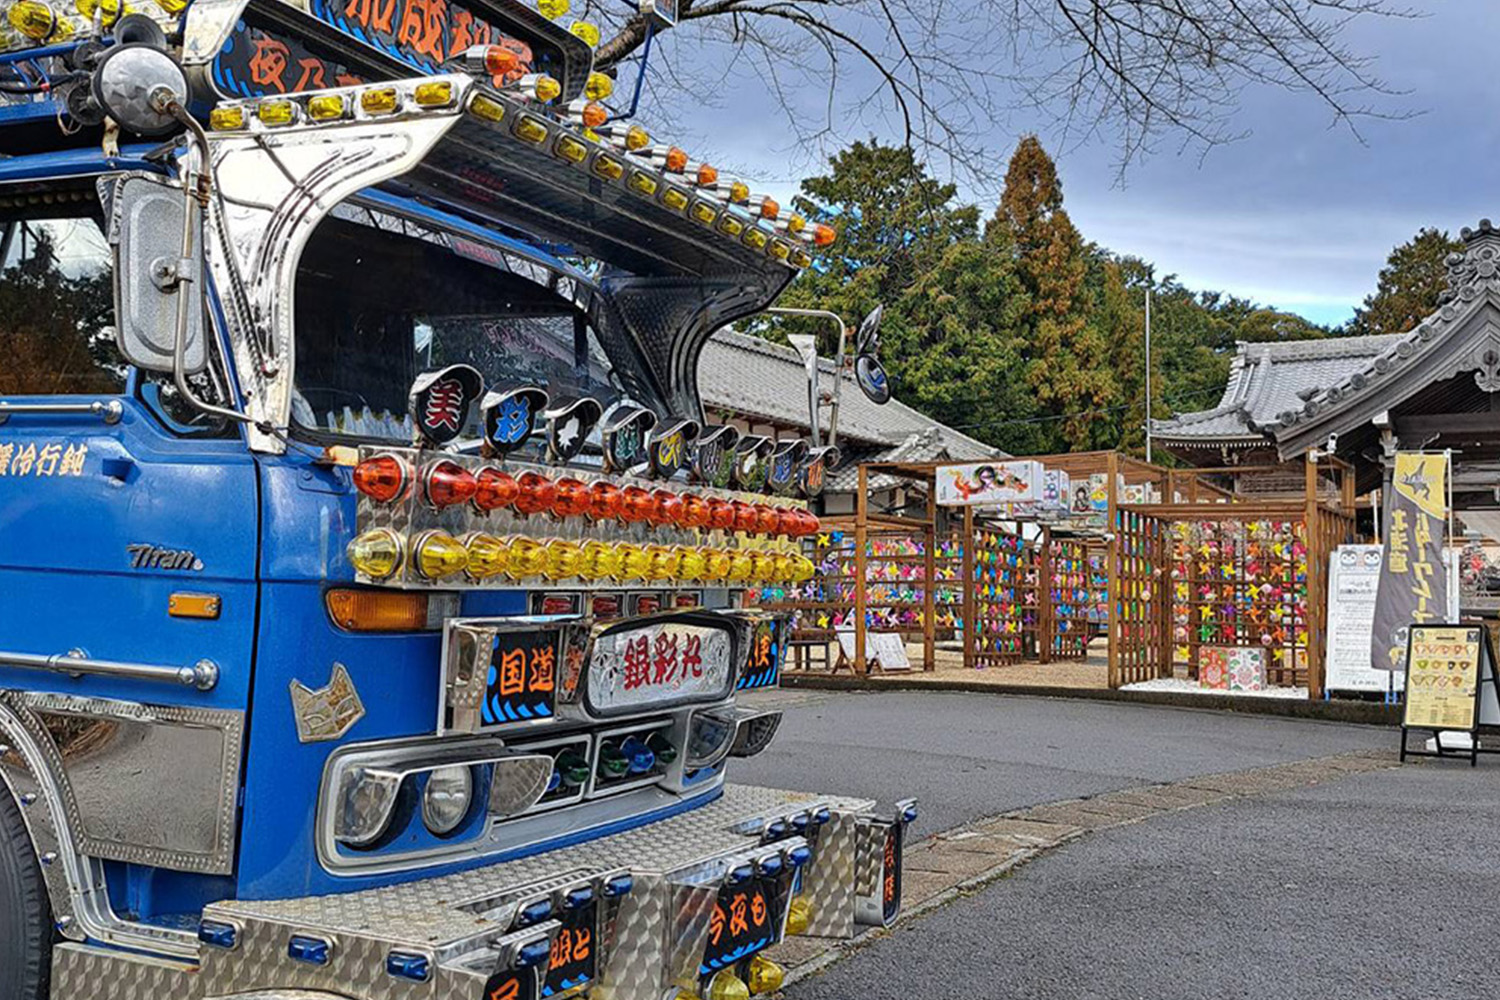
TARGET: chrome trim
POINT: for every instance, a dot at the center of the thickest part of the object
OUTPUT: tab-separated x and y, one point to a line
80	901
546	825
754	730
123	753
385	767
111	410
203	675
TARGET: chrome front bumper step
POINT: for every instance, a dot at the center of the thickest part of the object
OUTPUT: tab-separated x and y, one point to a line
664	915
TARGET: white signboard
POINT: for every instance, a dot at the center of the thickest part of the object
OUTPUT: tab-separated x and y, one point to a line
657	665
889	650
1354	571
987	483
886	648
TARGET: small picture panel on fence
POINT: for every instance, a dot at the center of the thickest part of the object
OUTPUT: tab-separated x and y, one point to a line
1442	677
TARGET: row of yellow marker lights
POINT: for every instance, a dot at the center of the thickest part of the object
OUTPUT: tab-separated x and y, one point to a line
41	22
436	555
591	118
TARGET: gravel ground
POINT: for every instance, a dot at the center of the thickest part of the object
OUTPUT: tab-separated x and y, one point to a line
1374	886
972	755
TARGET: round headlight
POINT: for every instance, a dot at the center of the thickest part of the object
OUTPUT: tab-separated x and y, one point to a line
445	803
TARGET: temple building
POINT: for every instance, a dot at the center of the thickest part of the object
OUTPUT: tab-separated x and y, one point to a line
1362	399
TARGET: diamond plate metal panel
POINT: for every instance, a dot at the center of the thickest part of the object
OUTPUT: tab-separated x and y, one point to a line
828	882
80	972
658	930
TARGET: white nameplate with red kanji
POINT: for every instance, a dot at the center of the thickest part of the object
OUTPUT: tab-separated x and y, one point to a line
657	665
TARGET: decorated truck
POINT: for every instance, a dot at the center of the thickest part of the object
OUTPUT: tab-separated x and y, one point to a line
372	588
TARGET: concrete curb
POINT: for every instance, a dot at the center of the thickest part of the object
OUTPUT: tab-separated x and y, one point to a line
1358	712
971	857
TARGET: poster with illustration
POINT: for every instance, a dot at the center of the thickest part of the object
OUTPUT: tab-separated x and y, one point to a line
1213	667
1247	669
1057	490
988	483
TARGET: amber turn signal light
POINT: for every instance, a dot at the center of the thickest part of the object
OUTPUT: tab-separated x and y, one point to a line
447	483
376	610
572	498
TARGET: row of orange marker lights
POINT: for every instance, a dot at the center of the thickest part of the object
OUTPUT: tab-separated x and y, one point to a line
436	555
444	483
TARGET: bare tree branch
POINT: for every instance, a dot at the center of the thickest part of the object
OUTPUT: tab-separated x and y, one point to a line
1133	72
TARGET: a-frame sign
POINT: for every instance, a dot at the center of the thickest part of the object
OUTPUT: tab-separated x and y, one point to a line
1451	687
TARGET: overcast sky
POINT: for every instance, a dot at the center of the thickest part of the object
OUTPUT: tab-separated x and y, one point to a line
1297	215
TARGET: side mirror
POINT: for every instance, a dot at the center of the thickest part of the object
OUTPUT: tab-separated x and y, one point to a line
146	223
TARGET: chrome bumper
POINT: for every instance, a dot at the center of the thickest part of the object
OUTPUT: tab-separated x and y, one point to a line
493	931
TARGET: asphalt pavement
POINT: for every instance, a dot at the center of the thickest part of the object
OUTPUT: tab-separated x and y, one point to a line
1375	885
972	755
1378	886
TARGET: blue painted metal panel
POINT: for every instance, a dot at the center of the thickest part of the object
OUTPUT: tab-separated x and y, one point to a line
74	162
309	516
66	566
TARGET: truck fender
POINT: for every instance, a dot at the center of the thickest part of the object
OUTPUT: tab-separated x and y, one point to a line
26	776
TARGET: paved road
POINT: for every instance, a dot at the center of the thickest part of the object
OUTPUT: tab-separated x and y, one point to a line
972	755
1378	886
1375	886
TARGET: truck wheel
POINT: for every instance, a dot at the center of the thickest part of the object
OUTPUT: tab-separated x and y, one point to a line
25	915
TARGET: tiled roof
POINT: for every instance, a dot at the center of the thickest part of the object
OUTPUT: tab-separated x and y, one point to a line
757	379
1268	379
1462	335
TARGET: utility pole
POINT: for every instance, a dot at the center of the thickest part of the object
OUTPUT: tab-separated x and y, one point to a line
1148	373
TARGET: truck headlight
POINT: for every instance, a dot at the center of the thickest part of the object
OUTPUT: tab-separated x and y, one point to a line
447	798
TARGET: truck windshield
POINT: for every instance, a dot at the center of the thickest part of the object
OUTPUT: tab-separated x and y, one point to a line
381	299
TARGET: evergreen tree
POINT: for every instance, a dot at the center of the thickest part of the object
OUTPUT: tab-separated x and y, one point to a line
894	222
960	346
1409	285
1068	363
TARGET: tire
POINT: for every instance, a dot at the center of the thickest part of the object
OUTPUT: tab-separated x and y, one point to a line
25	914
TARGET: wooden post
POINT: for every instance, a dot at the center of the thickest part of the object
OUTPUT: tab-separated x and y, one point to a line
1346	490
1317	568
970	639
1112	558
1045	612
861	533
929	615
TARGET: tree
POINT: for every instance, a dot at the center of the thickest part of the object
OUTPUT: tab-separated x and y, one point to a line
943	74
1414	276
894	221
960	346
1068	353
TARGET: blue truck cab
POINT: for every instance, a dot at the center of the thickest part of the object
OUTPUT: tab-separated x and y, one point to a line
372	610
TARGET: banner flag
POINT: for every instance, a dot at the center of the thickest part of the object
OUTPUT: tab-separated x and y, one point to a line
1413	587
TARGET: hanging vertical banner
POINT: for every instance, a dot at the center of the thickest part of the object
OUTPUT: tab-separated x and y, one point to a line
1413	587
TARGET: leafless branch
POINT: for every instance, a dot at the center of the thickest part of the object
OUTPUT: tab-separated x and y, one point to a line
1133	72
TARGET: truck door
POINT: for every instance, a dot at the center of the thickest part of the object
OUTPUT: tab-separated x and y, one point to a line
128	534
